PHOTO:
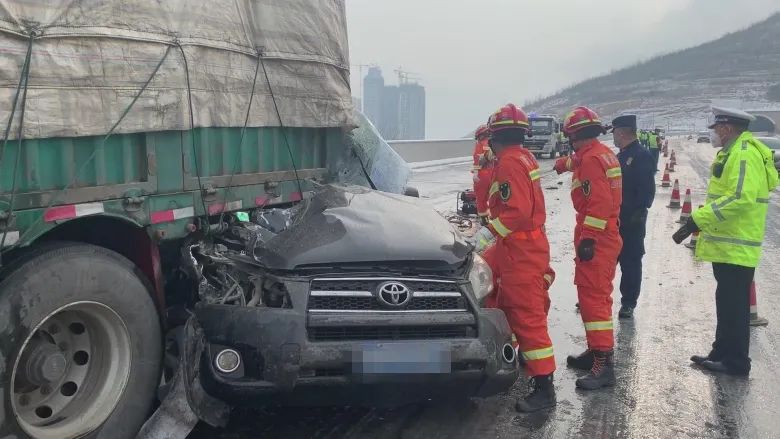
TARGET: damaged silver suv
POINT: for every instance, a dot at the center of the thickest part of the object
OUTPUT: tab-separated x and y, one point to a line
352	296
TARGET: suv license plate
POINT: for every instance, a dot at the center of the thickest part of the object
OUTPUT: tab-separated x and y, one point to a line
402	358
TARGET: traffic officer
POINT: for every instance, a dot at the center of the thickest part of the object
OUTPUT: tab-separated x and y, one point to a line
482	170
731	226
653	147
643	138
517	217
638	194
597	191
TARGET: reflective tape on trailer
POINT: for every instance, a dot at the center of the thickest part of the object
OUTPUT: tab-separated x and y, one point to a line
265	201
225	207
167	216
11	237
296	196
72	211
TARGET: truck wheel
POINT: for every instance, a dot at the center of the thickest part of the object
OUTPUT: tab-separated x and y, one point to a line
80	345
552	154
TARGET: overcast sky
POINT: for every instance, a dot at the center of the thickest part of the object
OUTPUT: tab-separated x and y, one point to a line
475	55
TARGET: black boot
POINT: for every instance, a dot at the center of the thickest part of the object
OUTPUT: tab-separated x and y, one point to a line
541	397
582	362
601	375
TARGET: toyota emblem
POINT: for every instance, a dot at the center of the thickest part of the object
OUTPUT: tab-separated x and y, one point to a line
394	294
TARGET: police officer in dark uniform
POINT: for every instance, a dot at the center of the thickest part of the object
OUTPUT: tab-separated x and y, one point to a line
638	168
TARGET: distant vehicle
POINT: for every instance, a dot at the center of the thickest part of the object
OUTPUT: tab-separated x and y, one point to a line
704	137
774	144
545	131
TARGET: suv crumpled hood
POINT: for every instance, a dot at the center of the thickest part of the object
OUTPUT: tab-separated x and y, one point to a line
353	225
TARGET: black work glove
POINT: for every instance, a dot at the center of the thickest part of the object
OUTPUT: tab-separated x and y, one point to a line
483	219
586	250
685	231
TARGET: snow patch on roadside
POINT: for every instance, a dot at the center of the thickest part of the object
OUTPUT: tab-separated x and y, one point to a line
442	162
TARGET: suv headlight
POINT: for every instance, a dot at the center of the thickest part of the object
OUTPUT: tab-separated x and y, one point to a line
481	277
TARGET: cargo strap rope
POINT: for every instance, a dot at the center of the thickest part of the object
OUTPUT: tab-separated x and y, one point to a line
192	138
241	144
23	79
281	123
56	196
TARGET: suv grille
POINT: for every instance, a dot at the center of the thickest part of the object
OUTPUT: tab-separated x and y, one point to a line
391	333
371	304
362	295
342	300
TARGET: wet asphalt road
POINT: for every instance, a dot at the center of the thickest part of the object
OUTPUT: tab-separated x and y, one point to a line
659	394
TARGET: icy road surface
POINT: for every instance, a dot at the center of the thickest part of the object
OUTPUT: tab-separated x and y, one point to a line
659	394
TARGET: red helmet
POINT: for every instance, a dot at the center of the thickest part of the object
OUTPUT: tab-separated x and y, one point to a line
579	118
508	117
482	132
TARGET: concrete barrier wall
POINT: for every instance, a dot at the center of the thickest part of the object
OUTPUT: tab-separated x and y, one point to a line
425	150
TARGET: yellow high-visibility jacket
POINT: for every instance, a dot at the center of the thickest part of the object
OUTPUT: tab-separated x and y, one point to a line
733	221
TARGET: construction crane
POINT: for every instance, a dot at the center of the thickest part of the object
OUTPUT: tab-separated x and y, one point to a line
405	77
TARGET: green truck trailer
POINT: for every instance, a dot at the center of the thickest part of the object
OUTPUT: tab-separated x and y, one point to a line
181	230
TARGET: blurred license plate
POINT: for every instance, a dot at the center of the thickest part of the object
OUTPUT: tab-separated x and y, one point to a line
402	358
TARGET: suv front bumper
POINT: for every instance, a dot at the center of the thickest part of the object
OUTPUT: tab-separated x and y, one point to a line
281	365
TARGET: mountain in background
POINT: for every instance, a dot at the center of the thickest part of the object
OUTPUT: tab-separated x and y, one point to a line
676	91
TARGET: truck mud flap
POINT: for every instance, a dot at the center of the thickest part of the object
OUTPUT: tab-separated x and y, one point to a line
186	402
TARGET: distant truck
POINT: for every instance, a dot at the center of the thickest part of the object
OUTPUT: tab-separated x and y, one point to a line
545	140
172	226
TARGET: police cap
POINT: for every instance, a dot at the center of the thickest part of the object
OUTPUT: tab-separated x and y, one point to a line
731	116
626	121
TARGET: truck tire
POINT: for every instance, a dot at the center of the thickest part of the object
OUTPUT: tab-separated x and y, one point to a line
552	154
80	345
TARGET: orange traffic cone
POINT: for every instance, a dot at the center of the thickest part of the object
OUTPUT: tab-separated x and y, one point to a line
687	208
666	152
694	239
667	180
675	202
673	159
755	320
671	166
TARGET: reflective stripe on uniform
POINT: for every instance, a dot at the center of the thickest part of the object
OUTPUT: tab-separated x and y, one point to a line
583	122
510	122
741	181
549	279
500	228
762	200
494	188
575	184
599	326
731	240
535	175
614	172
596	223
717	212
740	185
538	354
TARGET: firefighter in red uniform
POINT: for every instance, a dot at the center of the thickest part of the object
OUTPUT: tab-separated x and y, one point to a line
597	195
482	170
522	253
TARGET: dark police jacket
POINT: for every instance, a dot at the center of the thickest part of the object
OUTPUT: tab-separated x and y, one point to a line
638	169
